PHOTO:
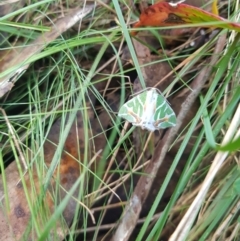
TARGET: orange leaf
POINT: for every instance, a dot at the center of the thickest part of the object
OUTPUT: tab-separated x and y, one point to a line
171	14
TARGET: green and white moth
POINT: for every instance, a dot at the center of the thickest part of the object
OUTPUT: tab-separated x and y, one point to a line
148	110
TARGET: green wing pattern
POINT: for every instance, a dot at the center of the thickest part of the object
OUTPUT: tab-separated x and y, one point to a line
148	110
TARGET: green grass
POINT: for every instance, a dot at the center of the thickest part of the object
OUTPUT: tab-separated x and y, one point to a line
87	64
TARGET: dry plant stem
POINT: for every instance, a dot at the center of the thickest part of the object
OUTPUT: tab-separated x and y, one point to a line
182	64
134	207
144	148
116	57
105	3
112	225
188	219
225	224
63	24
115	153
185	198
8	2
116	183
235	233
14	139
96	155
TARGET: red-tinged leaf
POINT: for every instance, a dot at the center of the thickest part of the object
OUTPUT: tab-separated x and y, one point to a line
171	14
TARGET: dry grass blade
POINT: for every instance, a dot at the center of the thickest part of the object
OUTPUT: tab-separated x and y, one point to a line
188	219
224	225
8	1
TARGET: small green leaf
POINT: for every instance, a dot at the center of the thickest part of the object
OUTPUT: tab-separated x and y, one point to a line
231	146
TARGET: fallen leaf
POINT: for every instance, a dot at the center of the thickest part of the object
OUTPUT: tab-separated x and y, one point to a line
170	14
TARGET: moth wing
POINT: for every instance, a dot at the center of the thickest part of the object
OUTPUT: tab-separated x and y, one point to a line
164	115
133	108
125	111
171	119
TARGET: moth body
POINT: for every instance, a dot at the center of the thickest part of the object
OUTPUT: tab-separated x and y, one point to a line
148	110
